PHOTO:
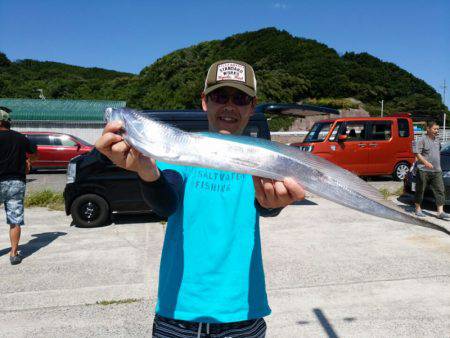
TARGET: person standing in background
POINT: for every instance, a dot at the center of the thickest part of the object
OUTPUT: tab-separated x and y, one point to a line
427	150
14	148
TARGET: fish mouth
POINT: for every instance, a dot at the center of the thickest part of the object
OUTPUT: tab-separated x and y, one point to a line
107	114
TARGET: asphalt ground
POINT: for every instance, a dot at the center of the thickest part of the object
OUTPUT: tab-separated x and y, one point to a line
330	272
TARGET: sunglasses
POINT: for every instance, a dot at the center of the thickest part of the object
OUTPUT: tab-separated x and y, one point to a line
238	98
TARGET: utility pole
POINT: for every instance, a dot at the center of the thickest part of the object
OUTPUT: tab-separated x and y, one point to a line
444	87
41	93
382	107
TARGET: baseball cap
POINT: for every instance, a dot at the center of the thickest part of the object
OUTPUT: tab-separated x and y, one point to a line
231	73
4	114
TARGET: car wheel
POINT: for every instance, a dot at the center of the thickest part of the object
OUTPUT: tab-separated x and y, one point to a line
400	171
90	210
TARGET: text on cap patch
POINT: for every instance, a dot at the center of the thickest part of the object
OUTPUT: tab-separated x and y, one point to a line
230	71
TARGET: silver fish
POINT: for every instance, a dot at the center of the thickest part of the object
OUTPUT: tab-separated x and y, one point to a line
257	157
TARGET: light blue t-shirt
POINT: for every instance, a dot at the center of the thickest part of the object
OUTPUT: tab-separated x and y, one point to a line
211	265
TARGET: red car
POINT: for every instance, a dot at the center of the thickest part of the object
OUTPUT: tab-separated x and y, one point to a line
55	150
367	146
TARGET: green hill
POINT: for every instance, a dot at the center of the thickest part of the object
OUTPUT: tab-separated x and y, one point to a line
22	78
288	69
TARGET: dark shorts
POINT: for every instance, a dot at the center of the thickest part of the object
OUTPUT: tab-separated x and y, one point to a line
434	181
12	194
166	327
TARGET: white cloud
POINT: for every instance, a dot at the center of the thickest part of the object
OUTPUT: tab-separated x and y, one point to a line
279	5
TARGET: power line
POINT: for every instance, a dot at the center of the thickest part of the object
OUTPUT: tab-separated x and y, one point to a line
444	87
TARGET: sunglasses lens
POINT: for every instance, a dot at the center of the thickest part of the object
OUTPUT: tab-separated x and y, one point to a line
241	99
238	98
219	96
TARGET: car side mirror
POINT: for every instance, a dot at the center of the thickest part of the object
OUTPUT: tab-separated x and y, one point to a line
78	146
342	138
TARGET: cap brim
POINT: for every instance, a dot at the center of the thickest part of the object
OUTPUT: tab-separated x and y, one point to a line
239	86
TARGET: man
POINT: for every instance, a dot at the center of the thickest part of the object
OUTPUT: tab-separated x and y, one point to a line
429	172
211	274
13	149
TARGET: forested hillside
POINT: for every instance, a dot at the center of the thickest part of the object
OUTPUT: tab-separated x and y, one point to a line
288	69
22	78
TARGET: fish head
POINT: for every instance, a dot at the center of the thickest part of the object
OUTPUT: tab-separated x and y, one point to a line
148	136
132	122
112	114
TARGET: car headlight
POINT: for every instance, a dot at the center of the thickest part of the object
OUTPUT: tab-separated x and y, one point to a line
446	174
71	172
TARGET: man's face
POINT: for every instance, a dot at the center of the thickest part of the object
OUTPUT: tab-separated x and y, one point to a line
433	130
228	110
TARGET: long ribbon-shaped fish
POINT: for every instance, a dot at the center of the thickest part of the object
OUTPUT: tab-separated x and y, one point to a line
257	157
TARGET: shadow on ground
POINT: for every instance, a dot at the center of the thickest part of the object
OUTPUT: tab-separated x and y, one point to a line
126	219
48	171
407	203
304	202
325	323
428	207
38	242
136	218
381	178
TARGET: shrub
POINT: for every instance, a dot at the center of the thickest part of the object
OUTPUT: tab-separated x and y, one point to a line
45	198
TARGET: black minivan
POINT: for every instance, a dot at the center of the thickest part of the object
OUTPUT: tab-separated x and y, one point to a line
96	187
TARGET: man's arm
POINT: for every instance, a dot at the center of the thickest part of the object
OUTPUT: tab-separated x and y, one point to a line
163	195
422	160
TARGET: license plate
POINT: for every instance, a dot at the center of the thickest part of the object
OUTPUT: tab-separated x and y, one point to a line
413	186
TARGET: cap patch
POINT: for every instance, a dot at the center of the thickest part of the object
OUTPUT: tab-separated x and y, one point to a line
230	71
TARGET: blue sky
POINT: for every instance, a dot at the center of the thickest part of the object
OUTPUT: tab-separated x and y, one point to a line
129	35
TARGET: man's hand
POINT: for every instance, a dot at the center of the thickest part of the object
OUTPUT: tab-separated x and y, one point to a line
277	194
119	152
422	160
428	165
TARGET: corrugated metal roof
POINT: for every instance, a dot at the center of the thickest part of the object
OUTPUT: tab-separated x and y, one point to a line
58	110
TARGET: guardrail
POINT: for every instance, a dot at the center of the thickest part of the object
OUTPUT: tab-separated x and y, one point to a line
298	136
288	133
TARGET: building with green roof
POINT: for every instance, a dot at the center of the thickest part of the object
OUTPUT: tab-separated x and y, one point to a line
82	118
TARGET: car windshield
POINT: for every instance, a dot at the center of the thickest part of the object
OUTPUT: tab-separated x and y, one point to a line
446	149
318	132
81	141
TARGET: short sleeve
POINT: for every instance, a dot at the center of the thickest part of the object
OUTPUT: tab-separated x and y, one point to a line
418	146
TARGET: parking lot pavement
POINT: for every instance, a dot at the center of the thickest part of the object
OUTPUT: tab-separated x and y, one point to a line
385	182
330	272
52	180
